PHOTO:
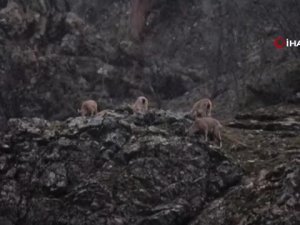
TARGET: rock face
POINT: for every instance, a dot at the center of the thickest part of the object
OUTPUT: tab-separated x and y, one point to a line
273	198
270	156
132	169
54	54
113	169
120	168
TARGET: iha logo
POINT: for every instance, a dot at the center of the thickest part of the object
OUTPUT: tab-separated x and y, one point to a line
281	42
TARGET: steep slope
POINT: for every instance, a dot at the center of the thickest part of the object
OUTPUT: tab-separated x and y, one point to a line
266	144
134	169
52	59
116	169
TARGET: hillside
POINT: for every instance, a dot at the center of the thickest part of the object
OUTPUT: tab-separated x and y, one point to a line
122	168
54	54
57	168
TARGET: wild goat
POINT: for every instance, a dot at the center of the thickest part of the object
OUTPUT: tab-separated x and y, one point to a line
202	108
88	108
140	105
207	126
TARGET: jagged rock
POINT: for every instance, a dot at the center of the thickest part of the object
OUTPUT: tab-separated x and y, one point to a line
13	19
268	193
277	119
291	125
57	53
256	204
127	169
96	169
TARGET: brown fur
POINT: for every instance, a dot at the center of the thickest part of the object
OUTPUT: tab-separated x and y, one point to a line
202	108
88	108
207	126
140	105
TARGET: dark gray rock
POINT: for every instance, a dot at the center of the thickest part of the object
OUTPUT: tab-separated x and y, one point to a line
54	54
270	200
92	170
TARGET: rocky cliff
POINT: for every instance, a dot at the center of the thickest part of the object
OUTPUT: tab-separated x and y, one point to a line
116	169
142	169
120	168
56	53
